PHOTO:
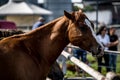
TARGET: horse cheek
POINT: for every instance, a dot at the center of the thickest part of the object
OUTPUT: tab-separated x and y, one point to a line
71	36
75	37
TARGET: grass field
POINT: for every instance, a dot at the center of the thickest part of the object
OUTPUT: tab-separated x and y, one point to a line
93	64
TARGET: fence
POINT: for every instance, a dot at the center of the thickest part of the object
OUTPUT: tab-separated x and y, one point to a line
86	68
109	51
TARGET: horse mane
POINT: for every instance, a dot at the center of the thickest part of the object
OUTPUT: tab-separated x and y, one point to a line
47	24
52	22
41	27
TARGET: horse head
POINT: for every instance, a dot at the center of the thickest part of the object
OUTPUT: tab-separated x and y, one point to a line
81	33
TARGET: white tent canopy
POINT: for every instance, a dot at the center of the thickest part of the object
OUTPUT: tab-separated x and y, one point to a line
22	8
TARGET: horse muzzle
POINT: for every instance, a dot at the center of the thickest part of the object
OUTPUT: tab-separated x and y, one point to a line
97	52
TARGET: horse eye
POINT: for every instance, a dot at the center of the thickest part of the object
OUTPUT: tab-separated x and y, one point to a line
83	28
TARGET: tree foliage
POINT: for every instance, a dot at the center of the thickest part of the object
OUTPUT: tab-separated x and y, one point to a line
86	8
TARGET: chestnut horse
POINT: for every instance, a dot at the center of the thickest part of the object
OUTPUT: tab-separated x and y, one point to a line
29	56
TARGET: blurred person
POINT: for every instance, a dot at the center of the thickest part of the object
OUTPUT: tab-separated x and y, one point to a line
113	46
62	62
105	40
79	54
62	59
39	23
55	72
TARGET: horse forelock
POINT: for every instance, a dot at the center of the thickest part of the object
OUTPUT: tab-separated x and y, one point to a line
80	16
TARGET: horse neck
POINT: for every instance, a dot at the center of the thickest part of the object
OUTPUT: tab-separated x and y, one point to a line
51	39
58	39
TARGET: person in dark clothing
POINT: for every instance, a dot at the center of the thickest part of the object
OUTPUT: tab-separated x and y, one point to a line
56	72
39	23
113	46
79	54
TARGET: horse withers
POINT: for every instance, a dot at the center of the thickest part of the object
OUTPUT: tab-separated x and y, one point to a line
29	56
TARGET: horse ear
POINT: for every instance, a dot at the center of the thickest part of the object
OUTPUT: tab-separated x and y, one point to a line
68	15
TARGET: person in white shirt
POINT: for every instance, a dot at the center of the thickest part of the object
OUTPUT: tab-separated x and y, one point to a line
105	40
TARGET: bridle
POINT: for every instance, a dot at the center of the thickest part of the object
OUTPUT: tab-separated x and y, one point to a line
89	24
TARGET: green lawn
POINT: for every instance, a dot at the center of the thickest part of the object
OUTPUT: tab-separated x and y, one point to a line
93	64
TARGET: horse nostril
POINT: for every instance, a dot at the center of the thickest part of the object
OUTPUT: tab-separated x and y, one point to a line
99	48
97	51
100	51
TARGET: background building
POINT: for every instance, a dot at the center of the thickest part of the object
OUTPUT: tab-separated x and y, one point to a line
57	7
110	5
23	13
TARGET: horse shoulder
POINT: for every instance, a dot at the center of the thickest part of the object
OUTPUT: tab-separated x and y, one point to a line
13	57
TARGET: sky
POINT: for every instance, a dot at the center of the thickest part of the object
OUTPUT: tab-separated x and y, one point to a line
41	1
76	0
